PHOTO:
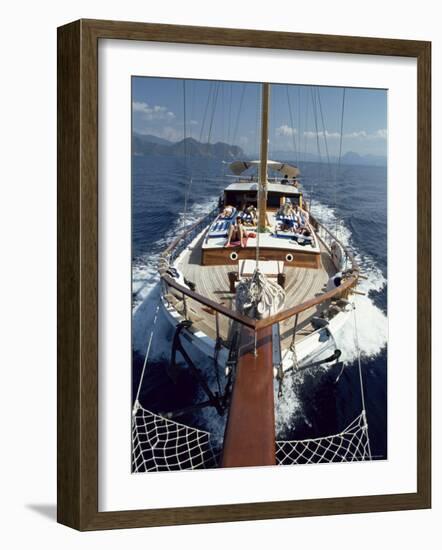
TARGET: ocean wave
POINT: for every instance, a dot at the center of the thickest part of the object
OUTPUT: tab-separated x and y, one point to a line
145	280
371	321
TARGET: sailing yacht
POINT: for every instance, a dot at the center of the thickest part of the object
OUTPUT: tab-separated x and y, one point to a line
262	287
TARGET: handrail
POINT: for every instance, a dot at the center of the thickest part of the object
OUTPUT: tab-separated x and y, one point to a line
278	317
262	323
354	265
285	314
243	319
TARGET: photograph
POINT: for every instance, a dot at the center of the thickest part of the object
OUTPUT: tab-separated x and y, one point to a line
259	274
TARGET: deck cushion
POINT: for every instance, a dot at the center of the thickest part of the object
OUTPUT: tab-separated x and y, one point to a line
220	227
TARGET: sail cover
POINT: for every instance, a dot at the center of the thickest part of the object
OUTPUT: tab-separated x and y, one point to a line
240	166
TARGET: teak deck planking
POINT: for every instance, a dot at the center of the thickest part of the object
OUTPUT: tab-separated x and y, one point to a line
213	282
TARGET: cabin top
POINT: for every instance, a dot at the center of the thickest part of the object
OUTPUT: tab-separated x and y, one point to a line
284	189
245	189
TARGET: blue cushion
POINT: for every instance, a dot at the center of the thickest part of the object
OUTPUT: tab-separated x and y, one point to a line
284	234
219	228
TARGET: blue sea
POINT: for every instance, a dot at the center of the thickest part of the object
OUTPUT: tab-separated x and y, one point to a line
349	199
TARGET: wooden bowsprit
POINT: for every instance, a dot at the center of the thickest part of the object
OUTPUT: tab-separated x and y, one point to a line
250	431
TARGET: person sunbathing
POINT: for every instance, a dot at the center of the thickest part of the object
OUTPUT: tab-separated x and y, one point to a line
286	209
288	215
301	215
249	215
227	212
236	233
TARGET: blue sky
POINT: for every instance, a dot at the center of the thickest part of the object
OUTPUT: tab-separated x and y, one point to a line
300	116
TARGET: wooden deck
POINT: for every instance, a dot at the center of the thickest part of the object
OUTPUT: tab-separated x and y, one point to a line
212	282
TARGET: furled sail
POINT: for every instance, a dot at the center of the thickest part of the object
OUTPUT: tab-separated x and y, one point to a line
258	296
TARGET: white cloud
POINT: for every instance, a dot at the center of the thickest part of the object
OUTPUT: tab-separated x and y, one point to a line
171	133
382	133
331	135
357	134
378	134
285	130
166	132
157	112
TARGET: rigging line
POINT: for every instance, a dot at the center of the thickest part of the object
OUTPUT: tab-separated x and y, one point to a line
360	374
340	154
258	197
239	113
186	193
315	116
190	179
298	89
209	135
213	113
209	95
147	355
324	128
306	125
230	115
226	138
292	125
192	108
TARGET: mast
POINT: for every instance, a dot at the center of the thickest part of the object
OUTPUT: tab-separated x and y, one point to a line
262	191
249	438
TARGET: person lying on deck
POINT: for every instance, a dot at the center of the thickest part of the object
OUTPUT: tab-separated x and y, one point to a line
236	232
249	215
227	212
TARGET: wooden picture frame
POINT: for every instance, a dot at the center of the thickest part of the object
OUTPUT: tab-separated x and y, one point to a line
78	274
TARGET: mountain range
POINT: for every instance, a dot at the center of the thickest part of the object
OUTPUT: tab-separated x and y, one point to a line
150	145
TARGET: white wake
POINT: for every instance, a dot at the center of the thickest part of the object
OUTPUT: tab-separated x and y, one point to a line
371	321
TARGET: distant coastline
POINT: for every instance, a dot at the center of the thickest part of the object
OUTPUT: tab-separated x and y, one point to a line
150	145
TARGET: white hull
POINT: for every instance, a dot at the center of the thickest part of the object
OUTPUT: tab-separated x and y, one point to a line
311	347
